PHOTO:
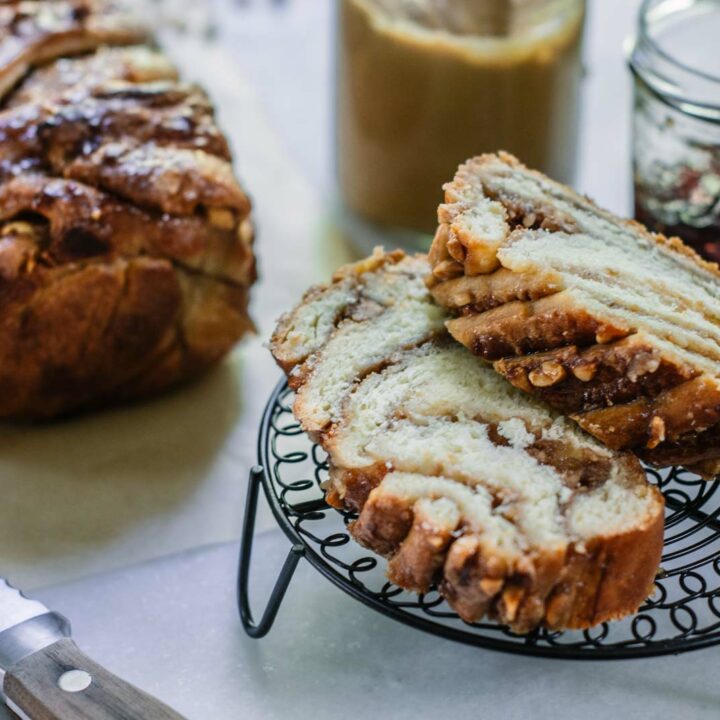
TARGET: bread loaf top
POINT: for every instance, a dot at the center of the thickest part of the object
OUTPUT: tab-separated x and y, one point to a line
125	239
106	145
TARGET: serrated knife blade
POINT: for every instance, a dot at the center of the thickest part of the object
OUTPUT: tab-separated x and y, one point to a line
15	608
45	676
26	626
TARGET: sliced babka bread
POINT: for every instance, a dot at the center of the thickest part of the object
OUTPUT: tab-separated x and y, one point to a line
458	478
605	321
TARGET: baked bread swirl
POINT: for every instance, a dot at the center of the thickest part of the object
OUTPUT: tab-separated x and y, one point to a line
605	321
459	478
125	240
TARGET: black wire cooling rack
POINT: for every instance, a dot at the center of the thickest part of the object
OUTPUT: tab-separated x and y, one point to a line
683	614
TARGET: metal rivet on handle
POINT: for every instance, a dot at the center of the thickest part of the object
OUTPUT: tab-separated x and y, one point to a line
74	681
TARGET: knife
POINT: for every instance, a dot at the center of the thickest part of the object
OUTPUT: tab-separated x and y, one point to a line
44	676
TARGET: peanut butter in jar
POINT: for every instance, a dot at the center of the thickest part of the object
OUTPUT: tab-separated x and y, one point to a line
425	84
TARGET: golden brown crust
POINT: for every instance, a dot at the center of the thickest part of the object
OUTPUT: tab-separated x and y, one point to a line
608	575
518	327
577	587
478	293
125	240
385	525
418	562
474	577
619	384
349	488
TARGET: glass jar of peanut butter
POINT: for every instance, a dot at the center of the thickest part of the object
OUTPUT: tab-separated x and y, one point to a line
424	84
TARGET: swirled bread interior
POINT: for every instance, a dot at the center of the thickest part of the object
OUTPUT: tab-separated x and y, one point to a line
595	315
459	478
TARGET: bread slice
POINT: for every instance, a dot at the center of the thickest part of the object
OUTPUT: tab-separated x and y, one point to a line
459	478
602	319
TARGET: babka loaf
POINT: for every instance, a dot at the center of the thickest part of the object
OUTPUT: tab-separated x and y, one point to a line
125	240
605	321
459	478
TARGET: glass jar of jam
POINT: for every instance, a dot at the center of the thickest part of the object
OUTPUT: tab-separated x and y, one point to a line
422	85
675	59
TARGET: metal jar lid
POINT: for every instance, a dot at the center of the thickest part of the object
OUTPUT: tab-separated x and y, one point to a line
672	54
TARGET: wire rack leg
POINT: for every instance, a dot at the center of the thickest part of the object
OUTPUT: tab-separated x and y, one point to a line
260	629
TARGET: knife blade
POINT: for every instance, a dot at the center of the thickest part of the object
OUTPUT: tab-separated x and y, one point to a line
45	676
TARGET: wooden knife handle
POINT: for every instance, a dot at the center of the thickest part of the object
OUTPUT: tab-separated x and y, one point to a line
61	683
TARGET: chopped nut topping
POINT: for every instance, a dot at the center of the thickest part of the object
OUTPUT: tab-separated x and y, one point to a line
549	373
608	333
518	377
245	232
455	248
17	229
447	270
657	432
511	599
585	372
490	586
642	364
221	218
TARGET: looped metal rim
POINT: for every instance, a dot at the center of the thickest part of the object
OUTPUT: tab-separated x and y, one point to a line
683	614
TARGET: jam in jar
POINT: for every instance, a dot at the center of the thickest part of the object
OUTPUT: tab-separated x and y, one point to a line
676	123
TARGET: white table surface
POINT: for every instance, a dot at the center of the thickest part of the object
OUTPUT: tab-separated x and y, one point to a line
88	503
171	627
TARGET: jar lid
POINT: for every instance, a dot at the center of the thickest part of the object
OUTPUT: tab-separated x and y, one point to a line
675	54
